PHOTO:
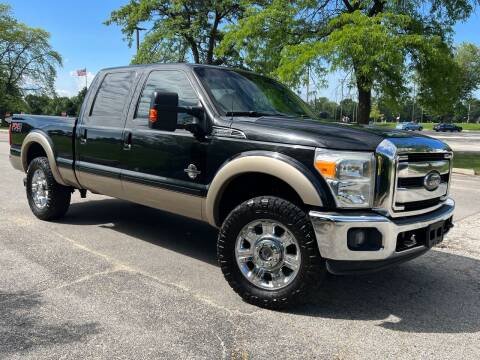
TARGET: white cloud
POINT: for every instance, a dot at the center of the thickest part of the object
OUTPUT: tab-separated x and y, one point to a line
65	92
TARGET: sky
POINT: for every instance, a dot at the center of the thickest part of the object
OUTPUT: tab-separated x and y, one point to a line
78	34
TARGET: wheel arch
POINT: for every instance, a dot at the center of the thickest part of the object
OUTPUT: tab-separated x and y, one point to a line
284	168
37	139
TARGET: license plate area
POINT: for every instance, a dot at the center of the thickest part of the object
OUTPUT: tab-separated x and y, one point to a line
435	233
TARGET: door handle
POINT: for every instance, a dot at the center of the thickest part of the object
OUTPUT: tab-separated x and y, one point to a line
127	142
83	137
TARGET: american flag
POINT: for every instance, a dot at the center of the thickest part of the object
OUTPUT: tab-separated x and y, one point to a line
82	72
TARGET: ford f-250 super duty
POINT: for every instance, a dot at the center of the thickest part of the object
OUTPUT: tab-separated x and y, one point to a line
293	198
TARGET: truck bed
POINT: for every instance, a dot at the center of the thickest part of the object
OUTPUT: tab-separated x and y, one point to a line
60	130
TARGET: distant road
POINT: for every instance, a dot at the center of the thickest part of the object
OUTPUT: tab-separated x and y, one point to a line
463	141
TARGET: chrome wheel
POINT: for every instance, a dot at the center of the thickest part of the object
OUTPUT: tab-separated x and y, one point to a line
40	191
267	254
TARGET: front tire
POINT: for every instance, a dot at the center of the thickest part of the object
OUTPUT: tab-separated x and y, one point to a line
268	252
48	199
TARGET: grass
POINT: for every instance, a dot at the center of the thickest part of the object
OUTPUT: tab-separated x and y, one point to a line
467	160
429	126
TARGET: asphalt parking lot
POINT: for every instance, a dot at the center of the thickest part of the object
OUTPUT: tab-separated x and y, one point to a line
118	280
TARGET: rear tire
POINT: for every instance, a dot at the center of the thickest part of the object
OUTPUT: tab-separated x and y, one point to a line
274	282
48	199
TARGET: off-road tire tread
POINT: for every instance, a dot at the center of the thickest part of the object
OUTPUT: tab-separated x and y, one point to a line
312	269
60	196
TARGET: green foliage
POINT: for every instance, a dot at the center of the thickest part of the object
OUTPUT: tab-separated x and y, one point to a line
181	30
27	62
382	43
375	113
467	160
46	105
324	108
467	57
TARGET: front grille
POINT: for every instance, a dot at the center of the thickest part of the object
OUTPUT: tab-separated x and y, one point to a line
418	157
410	193
422	204
418	181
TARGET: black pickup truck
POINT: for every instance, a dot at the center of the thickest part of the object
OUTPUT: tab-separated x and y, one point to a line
293	198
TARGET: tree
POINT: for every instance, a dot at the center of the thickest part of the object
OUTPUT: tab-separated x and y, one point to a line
78	100
381	43
45	105
348	108
37	104
324	108
375	113
27	61
183	30
467	57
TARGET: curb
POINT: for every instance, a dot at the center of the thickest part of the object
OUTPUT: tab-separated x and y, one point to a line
463	171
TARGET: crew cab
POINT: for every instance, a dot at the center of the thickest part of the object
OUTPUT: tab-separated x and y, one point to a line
293	198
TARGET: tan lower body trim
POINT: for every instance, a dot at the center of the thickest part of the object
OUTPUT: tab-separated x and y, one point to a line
68	175
100	184
16	162
162	199
152	196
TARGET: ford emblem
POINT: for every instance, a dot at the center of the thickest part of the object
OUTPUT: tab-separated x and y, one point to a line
432	180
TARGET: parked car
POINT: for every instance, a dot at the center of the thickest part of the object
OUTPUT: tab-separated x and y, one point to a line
409	126
447	127
293	198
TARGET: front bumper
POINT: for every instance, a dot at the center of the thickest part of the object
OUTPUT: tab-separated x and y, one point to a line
331	231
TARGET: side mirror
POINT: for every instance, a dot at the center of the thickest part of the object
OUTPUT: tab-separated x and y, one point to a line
163	111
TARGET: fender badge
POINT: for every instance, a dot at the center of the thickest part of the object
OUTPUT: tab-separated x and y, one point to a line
192	171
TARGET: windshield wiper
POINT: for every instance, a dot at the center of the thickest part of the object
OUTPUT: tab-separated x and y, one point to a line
252	113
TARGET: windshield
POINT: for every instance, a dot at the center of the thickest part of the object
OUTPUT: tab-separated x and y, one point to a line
242	93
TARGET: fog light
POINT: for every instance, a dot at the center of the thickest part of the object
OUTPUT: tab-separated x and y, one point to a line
364	239
358	238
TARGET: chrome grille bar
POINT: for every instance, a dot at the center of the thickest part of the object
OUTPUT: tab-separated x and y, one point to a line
419	194
420	169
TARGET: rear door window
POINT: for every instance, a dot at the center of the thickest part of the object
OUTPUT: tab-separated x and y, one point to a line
111	99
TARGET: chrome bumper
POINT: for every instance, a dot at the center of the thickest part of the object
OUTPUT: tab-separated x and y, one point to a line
331	232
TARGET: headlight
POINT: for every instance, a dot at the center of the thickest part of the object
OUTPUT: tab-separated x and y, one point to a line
350	176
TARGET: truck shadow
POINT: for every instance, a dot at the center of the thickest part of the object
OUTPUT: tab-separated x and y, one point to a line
436	293
186	236
23	327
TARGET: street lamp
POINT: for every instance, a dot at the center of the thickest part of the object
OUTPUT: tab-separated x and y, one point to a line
138	29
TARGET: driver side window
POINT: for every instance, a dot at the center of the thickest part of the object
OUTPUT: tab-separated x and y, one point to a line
169	81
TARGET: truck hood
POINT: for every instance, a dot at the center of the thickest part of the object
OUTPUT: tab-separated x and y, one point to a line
315	133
